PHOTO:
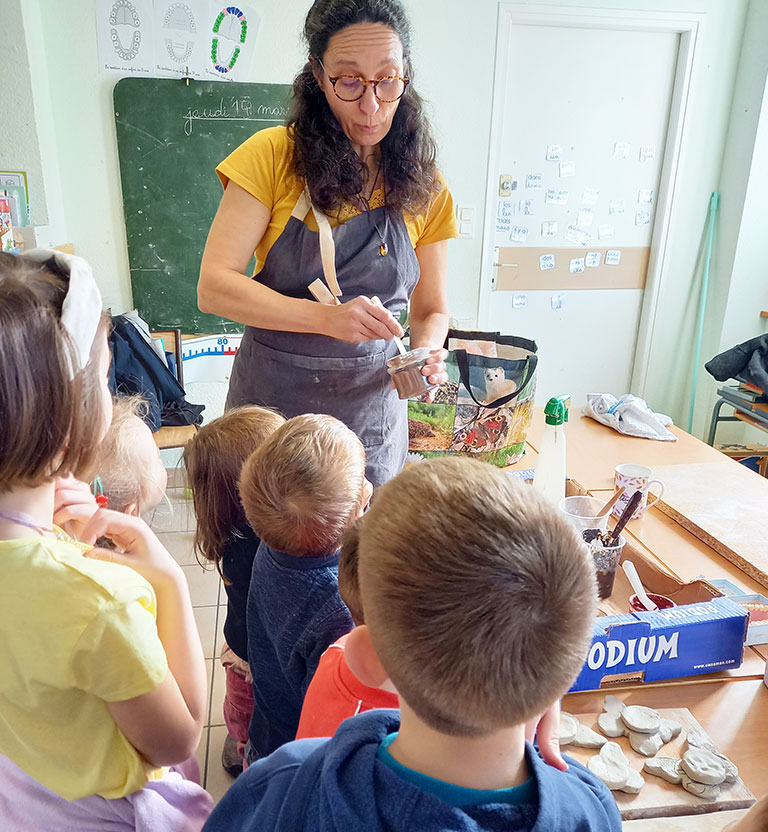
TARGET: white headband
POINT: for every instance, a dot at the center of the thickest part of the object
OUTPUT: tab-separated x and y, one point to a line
81	310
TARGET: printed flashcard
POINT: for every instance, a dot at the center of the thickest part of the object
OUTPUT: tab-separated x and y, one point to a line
506	208
557	302
518	234
616	206
647	153
645	195
621	150
533	182
554	152
577	235
643	218
590	196
519	301
592	259
526	207
549	229
605	230
503	225
546	262
584	217
612	257
556	197
567	169
576	265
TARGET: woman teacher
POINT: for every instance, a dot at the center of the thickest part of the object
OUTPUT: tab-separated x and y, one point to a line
356	157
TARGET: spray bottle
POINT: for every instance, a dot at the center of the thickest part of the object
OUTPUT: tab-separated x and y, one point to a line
549	478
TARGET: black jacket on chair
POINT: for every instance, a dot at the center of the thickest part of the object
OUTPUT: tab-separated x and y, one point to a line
138	370
748	361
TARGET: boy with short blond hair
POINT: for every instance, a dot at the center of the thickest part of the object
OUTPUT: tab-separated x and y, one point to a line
479	604
300	490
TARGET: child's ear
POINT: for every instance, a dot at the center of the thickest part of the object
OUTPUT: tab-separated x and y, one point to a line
366	498
362	660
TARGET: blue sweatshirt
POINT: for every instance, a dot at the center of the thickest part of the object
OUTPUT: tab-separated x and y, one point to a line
294	613
343	785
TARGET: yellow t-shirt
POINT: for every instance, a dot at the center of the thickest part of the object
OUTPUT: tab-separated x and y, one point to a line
75	633
263	166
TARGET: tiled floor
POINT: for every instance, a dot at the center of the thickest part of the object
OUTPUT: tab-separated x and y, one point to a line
174	523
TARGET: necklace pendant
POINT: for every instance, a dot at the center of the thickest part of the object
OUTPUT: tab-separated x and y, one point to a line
383	250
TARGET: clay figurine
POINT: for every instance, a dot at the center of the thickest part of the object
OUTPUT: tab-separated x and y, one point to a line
668	768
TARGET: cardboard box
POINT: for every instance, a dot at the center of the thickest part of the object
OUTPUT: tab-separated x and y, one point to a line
688	640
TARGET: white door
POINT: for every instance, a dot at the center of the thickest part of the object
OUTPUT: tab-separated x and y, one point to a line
581	126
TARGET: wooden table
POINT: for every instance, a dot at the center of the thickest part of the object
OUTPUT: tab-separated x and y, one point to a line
733	712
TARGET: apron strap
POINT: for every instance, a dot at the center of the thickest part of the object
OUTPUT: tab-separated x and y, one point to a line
327	252
327	246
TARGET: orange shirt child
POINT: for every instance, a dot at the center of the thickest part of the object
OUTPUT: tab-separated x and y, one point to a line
335	693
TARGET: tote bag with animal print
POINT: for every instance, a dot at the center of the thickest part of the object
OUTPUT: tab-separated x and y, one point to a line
485	407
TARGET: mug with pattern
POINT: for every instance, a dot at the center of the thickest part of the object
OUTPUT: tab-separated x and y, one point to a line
635	478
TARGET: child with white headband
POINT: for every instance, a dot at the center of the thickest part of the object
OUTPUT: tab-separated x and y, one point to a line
102	677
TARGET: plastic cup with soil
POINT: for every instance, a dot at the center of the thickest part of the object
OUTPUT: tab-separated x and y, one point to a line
606	559
582	512
406	373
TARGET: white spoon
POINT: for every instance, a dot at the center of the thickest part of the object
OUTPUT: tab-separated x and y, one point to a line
637	585
398	342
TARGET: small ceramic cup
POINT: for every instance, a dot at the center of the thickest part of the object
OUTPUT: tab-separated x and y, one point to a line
635	478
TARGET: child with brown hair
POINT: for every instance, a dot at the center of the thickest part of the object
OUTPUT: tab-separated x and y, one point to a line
301	491
479	602
335	693
214	460
102	677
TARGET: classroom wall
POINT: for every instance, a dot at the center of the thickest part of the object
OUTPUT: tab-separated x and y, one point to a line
19	145
454	60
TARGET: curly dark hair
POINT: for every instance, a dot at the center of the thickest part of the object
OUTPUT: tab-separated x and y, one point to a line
323	155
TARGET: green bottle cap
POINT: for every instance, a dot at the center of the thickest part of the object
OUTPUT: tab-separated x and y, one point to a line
556	411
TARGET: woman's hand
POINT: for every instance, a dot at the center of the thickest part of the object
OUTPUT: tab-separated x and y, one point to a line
435	371
360	319
73	505
138	546
546	728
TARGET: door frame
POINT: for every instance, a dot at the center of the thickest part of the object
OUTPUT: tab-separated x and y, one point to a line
688	26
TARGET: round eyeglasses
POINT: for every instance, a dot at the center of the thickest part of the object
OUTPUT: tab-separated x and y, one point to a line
352	87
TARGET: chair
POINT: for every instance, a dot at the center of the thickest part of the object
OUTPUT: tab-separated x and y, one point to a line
173	436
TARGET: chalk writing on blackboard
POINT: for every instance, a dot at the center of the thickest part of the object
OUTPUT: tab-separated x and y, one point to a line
235	109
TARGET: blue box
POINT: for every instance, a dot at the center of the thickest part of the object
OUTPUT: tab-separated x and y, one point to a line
686	640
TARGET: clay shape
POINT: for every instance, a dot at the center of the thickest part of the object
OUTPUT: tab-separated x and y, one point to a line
568	727
646	744
611	724
697	739
634	783
669	730
610	766
587	738
699	789
613	705
641	719
731	772
668	768
703	766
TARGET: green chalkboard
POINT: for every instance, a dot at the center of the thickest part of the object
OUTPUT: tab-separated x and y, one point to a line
170	137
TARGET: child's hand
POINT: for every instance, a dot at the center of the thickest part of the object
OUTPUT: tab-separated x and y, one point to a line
547	730
138	546
73	505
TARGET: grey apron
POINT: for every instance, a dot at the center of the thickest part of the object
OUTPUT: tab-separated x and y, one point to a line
298	373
